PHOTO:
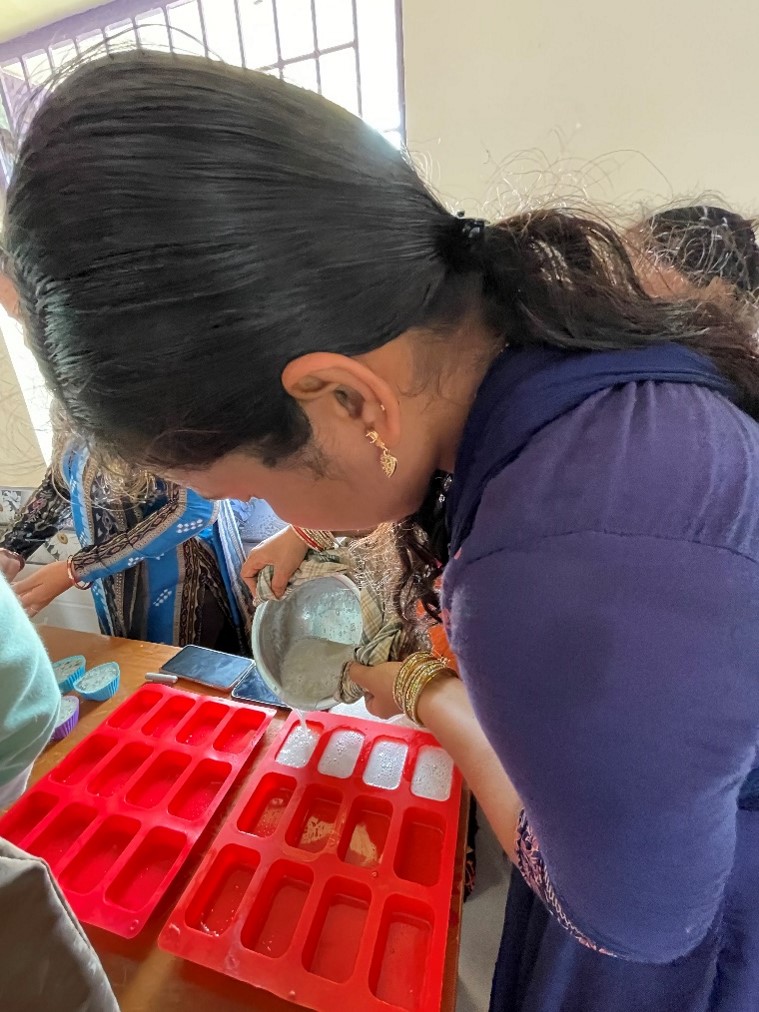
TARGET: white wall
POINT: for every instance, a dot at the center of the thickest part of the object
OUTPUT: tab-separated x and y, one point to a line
635	102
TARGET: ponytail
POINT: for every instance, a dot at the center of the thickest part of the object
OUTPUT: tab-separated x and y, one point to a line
556	279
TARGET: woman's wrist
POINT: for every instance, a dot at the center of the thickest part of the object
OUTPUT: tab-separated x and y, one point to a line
417	676
73	576
348	690
15	556
318	541
435	700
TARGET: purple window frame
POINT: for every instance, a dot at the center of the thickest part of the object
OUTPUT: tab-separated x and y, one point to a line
98	19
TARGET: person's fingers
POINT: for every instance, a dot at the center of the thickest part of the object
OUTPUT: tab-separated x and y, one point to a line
10	568
278	585
371	704
251	568
255	557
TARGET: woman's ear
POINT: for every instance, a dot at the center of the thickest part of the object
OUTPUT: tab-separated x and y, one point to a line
351	388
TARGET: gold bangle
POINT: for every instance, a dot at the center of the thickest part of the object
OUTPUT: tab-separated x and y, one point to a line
324	539
319	541
405	674
419	683
413	677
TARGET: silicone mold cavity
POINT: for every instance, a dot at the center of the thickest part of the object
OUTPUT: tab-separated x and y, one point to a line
215	906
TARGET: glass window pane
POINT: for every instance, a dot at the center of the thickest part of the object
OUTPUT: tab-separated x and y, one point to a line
221	30
13	69
38	68
63	53
338	72
257	20
152	31
91	43
296	28
15	90
302	73
334	23
186	29
121	36
378	56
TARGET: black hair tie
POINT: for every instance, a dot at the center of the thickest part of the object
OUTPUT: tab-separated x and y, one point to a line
461	242
472	230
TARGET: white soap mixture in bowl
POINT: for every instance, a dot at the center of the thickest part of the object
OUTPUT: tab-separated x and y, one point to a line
301	643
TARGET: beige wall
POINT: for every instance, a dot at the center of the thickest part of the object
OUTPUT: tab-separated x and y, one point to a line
630	103
626	104
21	462
634	102
20	16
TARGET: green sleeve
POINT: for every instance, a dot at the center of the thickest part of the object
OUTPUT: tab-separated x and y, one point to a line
29	695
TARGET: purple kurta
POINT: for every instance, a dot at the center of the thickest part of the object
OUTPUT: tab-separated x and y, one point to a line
604	610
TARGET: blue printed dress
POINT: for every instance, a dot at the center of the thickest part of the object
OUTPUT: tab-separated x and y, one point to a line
164	567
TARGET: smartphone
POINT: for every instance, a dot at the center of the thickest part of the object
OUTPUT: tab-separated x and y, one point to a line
208	667
253	689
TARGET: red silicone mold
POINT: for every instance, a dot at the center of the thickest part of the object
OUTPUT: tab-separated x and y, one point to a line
330	881
119	815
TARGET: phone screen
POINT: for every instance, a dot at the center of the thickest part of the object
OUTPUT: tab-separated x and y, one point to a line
208	667
253	689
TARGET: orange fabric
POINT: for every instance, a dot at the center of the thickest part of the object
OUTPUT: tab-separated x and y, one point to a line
439	642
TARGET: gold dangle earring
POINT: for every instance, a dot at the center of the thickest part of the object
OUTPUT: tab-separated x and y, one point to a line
387	460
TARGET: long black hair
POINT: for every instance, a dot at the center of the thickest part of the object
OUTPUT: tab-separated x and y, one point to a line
179	230
705	242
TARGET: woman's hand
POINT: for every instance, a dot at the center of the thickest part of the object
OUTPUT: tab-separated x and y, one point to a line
284	551
377	682
10	566
38	590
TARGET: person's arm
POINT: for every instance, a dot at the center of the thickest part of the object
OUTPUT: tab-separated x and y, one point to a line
445	710
610	681
284	552
29	694
39	520
610	674
48	961
184	516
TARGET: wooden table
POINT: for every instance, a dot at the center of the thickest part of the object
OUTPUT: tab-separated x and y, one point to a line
144	978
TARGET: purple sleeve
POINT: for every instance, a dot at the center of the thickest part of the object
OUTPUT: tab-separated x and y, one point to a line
616	677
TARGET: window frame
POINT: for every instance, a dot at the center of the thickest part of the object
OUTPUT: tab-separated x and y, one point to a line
97	20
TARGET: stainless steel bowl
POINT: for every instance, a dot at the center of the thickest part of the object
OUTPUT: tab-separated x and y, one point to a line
326	608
